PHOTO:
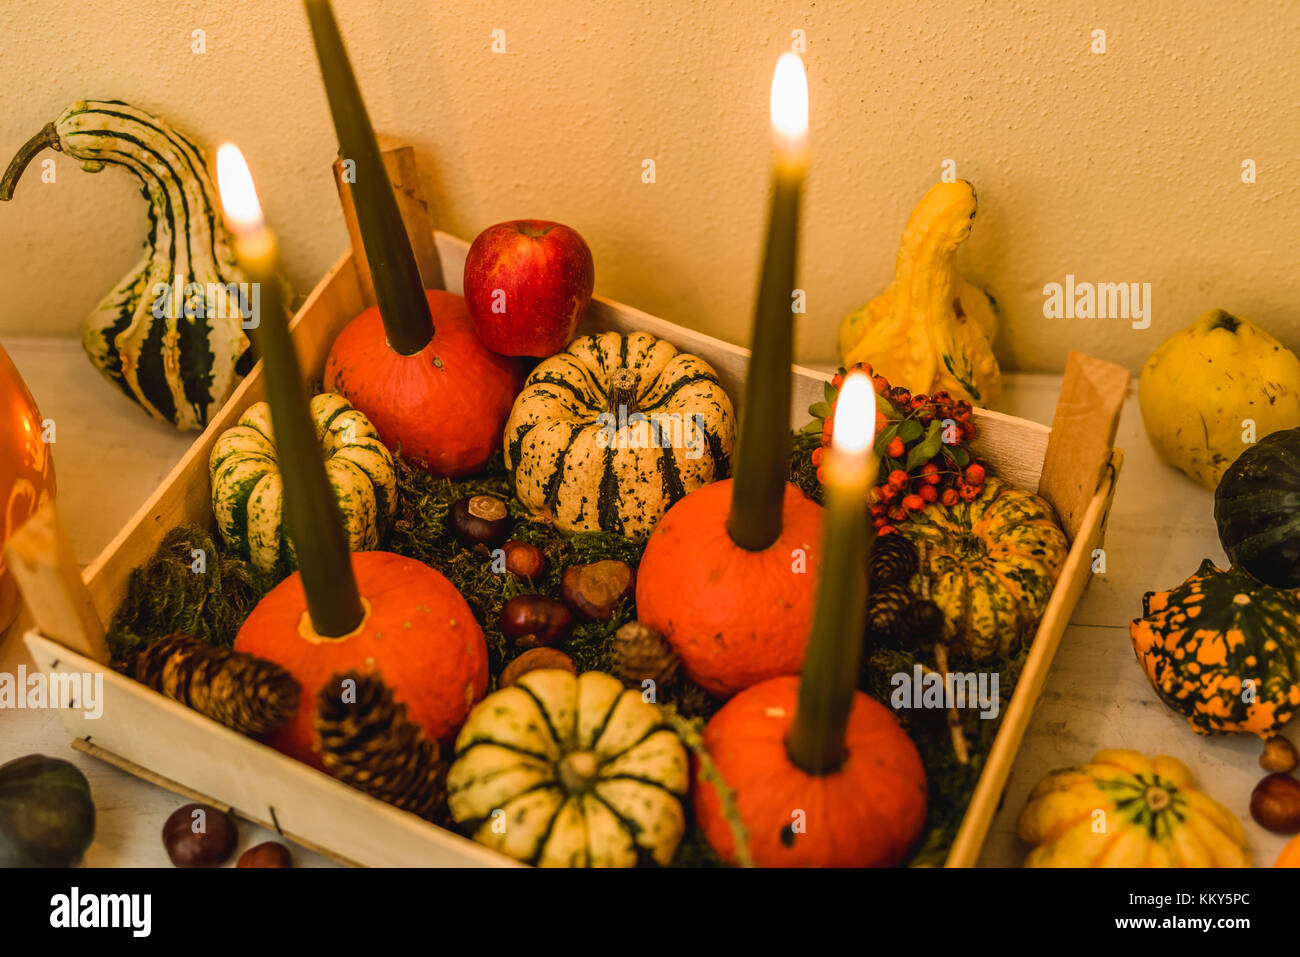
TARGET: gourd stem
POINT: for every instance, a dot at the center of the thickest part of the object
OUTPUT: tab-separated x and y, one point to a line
816	740
763	452
623	384
47	138
399	291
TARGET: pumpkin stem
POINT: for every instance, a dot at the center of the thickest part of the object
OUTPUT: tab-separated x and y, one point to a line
763	449
578	772
48	137
399	291
1157	798
623	384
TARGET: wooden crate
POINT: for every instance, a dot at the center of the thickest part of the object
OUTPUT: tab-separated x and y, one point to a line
158	738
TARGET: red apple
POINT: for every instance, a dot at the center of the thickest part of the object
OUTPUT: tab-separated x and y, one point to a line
527	283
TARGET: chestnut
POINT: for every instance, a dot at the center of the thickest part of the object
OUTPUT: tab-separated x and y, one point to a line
480	520
199	835
535	659
535	621
266	854
1275	804
594	591
524	560
1279	755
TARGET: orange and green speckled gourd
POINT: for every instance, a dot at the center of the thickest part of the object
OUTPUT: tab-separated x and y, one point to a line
1224	650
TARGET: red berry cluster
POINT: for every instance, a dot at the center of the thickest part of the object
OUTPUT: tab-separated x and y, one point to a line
922	442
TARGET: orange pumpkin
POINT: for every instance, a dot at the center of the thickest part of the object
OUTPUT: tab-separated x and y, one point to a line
26	471
417	633
1290	856
445	406
734	616
868	813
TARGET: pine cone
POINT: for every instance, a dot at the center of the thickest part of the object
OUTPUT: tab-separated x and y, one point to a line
641	653
893	560
921	624
249	694
365	740
885	607
691	700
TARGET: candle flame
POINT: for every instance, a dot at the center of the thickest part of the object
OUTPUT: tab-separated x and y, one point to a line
855	415
238	194
790	99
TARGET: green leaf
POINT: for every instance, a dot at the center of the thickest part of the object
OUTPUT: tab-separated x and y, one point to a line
887	407
830	392
926	448
812	428
820	410
959	455
910	431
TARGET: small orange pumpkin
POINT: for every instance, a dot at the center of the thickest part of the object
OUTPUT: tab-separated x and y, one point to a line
1290	856
868	813
444	407
734	616
26	471
417	633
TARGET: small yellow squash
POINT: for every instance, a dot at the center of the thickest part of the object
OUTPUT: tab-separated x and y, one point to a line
930	330
1125	810
565	771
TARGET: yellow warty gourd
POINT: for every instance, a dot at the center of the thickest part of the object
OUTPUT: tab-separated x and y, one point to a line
1214	388
931	330
1125	810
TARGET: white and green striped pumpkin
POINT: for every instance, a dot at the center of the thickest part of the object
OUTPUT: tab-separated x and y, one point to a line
608	434
247	491
565	771
179	357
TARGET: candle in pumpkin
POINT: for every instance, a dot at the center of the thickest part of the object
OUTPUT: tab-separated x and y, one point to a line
833	658
399	291
311	511
763	452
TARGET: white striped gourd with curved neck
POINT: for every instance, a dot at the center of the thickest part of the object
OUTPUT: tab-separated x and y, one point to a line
178	358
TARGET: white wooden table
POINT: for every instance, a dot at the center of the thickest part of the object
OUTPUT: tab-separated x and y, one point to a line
110	457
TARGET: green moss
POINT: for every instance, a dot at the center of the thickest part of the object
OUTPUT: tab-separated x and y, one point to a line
420	531
192	584
951	783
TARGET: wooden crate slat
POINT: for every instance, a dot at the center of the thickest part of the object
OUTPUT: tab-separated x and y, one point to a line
180	744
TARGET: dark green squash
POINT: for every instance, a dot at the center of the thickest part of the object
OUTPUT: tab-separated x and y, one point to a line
46	816
1224	650
1257	509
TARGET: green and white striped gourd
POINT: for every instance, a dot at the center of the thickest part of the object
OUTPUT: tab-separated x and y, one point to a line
178	356
247	492
608	434
565	771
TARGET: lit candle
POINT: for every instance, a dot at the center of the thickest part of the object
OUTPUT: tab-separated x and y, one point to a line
833	658
311	512
763	453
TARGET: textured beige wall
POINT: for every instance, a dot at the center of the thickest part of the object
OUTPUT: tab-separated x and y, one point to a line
1119	167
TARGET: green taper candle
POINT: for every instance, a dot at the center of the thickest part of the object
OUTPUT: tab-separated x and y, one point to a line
399	291
831	663
763	452
311	512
